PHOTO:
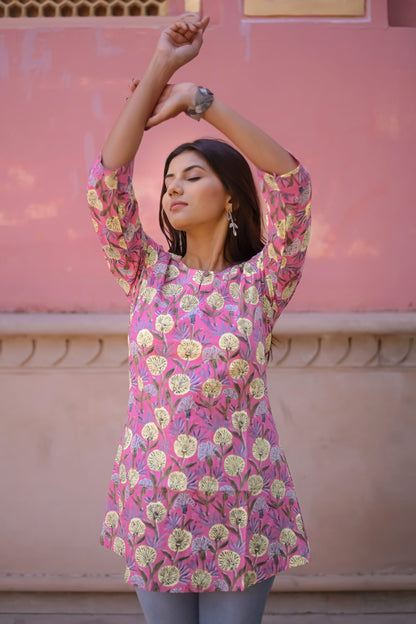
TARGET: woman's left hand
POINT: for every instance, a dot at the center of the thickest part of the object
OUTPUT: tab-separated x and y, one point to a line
175	99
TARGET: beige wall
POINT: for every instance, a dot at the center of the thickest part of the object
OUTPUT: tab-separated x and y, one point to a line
344	394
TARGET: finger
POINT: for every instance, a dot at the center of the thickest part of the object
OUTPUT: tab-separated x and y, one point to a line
204	23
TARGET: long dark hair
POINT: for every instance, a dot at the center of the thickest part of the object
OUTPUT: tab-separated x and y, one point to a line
235	174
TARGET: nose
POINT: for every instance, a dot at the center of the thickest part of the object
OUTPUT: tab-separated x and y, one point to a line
174	188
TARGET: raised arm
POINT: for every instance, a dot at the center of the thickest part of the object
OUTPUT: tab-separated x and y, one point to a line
178	45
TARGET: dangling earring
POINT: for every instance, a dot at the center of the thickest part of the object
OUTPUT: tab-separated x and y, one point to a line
233	225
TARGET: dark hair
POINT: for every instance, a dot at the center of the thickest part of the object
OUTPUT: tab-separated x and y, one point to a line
235	174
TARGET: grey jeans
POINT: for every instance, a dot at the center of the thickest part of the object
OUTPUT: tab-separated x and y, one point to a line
235	607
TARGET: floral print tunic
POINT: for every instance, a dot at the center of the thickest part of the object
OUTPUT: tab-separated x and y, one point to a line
201	497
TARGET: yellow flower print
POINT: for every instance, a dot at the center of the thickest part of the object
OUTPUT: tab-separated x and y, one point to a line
270	286
234	465
150	432
189	349
289	290
238	369
169	575
93	200
113	224
121	210
223	437
297	560
118	454
127	437
151	256
308	210
111	252
260	354
248	269
145	556
172	272
290	221
122	473
229	342
162	416
179	540
261	449
268	342
278	489
95	225
251	295
283	262
124	285
179	384
156	512
111	519
137	528
140	384
211	388
280	226
156	460
185	445
119	546
148	294
287	537
271	252
201	579
172	290
228	560
255	484
299	523
156	364
120	506
240	420
111	181
215	300
234	290
164	323
177	481
238	517
144	338
188	303
271	181
208	485
257	388
133	476
126	574
266	306
218	533
203	278
245	326
306	238
249	579
258	545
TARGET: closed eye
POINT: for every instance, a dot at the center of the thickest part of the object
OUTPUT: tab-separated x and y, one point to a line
194	178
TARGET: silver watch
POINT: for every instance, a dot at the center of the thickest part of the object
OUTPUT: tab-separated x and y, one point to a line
202	101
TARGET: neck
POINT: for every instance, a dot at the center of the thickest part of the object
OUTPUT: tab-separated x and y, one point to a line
205	257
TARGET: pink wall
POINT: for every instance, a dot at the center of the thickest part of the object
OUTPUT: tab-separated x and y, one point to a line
339	94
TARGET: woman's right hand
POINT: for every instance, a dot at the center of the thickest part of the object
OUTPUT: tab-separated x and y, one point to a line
181	41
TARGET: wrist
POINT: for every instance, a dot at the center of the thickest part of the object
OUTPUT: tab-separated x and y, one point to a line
202	98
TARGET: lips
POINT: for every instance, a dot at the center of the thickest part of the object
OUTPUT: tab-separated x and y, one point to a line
176	205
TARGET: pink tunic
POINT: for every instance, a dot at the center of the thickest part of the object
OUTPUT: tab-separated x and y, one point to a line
201	497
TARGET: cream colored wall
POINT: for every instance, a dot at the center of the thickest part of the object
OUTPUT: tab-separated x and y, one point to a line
343	390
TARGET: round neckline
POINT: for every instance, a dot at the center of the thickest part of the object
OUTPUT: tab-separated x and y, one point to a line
180	262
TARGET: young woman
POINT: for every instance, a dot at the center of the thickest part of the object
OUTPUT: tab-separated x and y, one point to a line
201	503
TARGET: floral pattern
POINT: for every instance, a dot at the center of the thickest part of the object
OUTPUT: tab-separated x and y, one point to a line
201	496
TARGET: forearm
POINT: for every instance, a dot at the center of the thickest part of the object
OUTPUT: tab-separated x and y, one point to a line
126	135
255	144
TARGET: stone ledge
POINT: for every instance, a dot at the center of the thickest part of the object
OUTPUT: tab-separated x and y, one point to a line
62	342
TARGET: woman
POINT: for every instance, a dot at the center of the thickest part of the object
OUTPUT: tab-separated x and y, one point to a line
201	504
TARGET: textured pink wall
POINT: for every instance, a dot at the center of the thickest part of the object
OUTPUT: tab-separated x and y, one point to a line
339	94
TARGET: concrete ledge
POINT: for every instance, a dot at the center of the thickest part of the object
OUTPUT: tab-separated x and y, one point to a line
299	323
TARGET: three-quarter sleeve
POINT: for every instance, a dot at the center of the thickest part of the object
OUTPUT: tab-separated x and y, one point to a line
288	200
115	217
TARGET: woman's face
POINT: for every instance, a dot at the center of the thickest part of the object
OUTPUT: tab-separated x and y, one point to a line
195	197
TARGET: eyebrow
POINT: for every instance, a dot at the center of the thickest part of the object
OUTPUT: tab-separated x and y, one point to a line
170	175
